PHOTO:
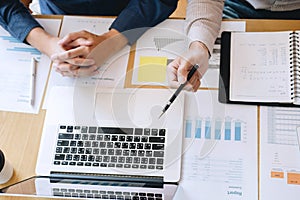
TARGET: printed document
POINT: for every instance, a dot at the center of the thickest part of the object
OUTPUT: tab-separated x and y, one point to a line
112	72
15	64
279	153
220	149
161	44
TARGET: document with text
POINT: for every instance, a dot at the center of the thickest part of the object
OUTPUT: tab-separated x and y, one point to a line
279	153
113	71
220	149
15	81
263	67
161	44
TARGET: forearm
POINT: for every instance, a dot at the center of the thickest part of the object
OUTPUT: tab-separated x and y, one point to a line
19	22
203	21
199	51
16	19
43	41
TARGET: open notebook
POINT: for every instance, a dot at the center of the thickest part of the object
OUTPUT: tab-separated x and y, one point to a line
260	68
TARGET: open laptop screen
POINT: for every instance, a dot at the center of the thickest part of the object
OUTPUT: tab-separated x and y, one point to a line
42	186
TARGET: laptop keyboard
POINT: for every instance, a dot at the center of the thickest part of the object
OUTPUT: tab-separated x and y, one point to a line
101	194
111	147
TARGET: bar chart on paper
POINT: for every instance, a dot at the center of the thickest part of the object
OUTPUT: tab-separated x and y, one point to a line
16	59
162	42
14	46
14	84
204	138
215	129
220	149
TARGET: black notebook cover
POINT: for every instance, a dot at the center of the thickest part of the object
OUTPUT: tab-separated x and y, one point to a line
224	77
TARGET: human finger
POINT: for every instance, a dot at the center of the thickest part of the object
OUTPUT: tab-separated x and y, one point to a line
76	43
188	87
174	84
77	61
69	74
64	73
66	67
172	71
194	82
81	51
183	71
196	85
69	38
82	62
87	71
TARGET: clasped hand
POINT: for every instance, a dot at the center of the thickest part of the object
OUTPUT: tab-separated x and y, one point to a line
85	52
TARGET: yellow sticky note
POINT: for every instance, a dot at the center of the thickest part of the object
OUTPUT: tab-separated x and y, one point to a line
152	69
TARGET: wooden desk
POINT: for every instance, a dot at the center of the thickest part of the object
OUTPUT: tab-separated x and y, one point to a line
20	133
19	139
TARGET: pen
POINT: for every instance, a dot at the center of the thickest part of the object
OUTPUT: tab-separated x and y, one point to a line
173	97
32	80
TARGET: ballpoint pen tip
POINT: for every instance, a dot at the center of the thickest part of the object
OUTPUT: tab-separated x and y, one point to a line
160	115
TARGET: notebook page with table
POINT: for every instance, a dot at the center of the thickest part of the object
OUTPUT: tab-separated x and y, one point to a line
260	68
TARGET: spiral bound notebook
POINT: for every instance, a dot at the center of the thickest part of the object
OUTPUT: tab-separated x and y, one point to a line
260	68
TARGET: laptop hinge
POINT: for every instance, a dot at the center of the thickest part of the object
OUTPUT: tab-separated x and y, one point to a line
150	180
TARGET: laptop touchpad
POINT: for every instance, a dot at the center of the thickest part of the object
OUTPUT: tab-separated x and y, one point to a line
114	108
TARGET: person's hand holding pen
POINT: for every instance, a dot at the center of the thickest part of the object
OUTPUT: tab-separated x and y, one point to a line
179	89
178	69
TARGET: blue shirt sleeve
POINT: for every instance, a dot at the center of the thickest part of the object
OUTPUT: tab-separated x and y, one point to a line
16	19
140	15
133	20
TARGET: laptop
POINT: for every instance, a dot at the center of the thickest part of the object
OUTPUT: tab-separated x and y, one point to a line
108	143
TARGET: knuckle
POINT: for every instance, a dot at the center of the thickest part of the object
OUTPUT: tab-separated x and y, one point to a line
68	54
69	35
84	32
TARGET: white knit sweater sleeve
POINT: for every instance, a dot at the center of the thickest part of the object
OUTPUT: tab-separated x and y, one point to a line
203	21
